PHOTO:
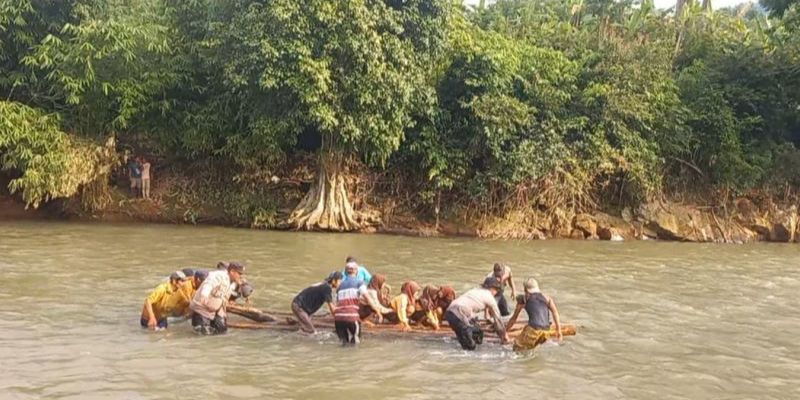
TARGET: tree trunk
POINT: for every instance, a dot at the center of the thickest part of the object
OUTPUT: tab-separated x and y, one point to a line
325	206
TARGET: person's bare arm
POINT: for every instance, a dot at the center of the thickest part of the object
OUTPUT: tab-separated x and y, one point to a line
152	323
514	317
556	318
513	287
498	324
331	308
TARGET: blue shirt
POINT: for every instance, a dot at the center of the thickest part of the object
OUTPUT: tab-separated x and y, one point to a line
363	275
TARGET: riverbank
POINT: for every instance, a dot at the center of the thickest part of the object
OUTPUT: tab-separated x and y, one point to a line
181	201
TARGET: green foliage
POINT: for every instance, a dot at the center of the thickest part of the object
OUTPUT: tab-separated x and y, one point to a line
50	162
557	103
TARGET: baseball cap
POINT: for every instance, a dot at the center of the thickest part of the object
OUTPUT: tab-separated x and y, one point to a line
492	282
236	266
177	276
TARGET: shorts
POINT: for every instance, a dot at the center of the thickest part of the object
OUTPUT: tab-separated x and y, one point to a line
161	324
349	332
136	183
530	337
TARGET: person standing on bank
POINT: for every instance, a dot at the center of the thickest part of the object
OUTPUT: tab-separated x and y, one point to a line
502	273
462	313
348	297
211	297
145	178
539	307
311	299
135	175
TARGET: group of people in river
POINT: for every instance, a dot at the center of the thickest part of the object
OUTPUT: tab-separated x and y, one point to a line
354	297
199	295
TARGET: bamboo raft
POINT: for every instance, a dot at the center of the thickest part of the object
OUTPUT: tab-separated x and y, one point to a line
286	322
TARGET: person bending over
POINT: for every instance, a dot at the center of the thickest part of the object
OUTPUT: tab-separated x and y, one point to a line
462	312
162	302
211	297
311	299
539	307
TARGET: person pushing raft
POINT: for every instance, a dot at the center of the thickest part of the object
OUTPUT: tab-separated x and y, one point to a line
162	302
211	297
345	316
462	313
502	273
311	299
539	307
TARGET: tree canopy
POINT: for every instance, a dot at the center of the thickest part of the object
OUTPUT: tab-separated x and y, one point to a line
539	104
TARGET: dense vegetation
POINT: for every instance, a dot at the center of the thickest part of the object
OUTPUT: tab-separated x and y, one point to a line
519	105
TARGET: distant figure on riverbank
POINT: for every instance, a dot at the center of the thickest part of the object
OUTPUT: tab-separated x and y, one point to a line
462	313
162	302
145	178
502	273
539	307
135	176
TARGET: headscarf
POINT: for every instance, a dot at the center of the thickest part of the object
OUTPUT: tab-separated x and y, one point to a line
446	296
377	284
410	288
430	295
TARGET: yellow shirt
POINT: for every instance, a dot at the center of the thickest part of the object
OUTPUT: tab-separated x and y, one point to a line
402	307
182	298
163	301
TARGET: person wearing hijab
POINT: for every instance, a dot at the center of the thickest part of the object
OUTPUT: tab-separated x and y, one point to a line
375	301
403	304
539	308
432	304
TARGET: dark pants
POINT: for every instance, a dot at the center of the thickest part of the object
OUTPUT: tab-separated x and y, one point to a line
348	332
303	317
502	304
205	326
469	334
162	323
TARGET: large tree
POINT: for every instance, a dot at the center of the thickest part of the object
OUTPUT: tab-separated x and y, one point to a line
345	70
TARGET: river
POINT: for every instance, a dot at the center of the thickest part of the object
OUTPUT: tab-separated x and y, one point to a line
656	320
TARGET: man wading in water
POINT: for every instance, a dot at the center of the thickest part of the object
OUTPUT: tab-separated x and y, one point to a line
463	310
311	299
162	302
502	273
345	316
211	297
538	306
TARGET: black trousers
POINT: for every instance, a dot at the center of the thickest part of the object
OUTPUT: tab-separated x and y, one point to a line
205	326
502	304
349	332
469	334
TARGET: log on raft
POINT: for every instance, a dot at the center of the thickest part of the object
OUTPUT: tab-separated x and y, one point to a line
285	322
249	313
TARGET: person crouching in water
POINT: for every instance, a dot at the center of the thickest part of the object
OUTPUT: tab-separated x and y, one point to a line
463	311
375	301
345	315
538	306
162	302
432	304
209	301
310	300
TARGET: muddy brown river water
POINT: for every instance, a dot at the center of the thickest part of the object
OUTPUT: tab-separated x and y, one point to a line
657	320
